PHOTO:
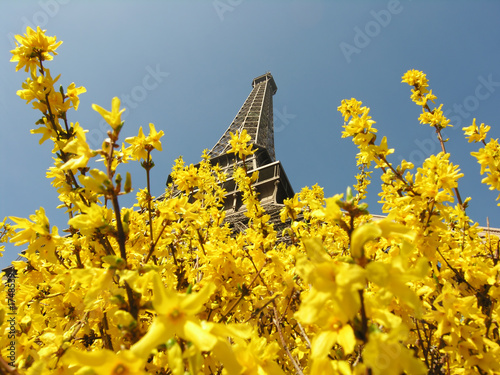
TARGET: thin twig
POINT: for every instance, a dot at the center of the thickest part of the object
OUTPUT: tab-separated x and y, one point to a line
460	277
103	327
424	350
277	323
304	335
120	235
364	319
151	249
147	166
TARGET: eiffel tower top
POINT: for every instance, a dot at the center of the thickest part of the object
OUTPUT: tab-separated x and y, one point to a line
256	116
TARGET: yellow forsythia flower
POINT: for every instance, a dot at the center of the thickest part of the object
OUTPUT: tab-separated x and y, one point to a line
239	144
79	148
141	144
475	133
176	316
106	362
415	78
72	93
32	47
113	117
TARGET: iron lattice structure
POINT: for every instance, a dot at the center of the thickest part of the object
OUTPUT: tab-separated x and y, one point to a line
256	116
272	184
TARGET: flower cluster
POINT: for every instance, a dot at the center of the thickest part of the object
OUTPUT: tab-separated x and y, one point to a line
169	287
420	93
359	125
421	96
6	233
488	156
239	144
32	48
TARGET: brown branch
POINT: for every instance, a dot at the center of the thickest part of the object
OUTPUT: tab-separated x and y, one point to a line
398	175
425	351
120	235
104	241
78	258
133	306
460	277
364	319
151	249
103	327
147	166
78	325
260	309
304	335
277	323
201	241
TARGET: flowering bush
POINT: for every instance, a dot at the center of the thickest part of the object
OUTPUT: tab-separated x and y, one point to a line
168	288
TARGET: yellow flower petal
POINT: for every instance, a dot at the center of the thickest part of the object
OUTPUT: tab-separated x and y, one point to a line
201	338
322	343
346	339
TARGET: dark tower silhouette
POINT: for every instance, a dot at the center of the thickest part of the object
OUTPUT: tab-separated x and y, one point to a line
272	185
256	116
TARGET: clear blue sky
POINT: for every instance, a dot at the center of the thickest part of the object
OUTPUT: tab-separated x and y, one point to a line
187	66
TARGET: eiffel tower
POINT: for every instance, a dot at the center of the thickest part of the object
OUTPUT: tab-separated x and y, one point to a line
272	185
